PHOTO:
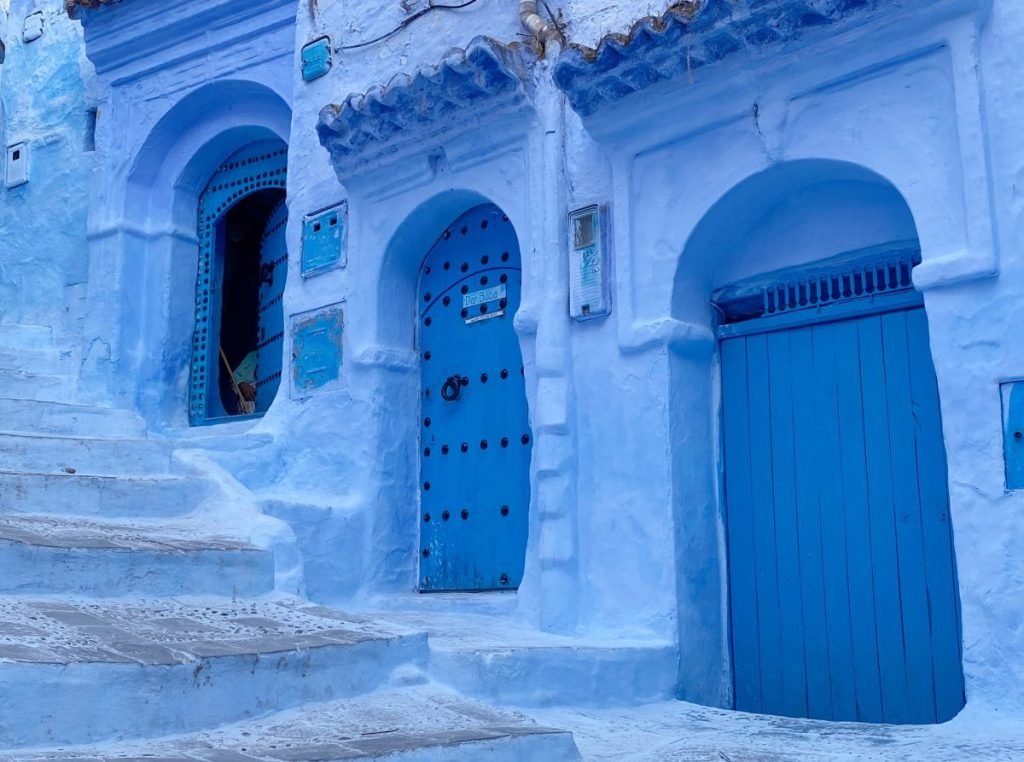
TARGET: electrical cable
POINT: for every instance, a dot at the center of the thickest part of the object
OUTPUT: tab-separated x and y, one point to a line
406	22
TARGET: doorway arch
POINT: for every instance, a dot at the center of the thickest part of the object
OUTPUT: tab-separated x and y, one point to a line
243	263
842	587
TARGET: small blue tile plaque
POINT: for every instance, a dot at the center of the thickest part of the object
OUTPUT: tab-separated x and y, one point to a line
316	350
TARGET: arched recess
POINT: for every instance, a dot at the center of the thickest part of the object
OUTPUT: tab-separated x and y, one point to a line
149	247
399	311
238	339
828	464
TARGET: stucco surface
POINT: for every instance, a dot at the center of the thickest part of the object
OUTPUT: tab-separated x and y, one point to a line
47	99
875	123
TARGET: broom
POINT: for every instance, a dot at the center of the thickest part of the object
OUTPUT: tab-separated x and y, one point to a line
247	407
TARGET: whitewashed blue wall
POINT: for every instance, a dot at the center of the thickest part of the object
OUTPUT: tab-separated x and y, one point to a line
46	93
917	104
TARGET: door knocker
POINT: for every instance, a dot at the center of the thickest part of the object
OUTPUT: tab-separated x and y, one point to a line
452	388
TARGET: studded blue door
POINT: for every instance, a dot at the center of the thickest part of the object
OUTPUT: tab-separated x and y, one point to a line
258	167
843	585
273	273
475	434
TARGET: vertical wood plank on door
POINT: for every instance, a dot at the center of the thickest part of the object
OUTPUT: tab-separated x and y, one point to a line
833	523
740	528
913	585
882	522
812	590
940	567
787	540
762	495
858	525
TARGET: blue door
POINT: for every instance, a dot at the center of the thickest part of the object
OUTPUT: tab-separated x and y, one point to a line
234	304
475	433
273	273
842	573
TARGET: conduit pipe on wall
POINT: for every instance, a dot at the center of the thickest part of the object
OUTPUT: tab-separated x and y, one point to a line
544	31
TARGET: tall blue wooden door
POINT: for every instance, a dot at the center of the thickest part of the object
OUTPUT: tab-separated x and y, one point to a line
273	273
843	582
475	433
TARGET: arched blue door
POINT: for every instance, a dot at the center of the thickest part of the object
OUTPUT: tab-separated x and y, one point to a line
842	573
475	434
249	184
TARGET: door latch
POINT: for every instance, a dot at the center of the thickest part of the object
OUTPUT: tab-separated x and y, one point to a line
452	388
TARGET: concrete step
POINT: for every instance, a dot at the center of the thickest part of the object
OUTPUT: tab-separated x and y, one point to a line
421	723
85	672
61	555
42	361
69	455
497	658
62	419
26	337
41	387
107	496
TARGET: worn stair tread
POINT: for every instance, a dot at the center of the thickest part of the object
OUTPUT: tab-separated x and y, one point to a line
17	336
57	531
78	670
168	631
68	418
387	724
95	456
101	478
72	438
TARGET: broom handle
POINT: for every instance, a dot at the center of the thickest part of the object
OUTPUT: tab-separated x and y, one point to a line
234	384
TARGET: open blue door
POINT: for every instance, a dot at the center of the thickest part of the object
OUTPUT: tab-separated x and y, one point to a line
240	275
475	432
273	274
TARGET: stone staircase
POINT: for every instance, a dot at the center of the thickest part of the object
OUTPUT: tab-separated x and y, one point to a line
33	366
135	604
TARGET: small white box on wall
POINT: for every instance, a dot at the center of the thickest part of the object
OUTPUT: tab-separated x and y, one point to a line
16	169
589	263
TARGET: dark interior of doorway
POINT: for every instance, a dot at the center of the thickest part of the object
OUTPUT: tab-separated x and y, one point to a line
243	231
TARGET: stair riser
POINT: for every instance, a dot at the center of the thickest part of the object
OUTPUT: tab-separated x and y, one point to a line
68	420
542	677
32	386
99	573
84	456
541	748
47	362
98	496
46	705
31	337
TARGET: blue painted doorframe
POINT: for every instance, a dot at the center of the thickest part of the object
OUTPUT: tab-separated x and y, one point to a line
475	433
257	167
842	574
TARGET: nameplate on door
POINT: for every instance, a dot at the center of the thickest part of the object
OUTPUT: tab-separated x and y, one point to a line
483	296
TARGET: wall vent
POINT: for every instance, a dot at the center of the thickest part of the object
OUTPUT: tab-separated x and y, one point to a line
849	277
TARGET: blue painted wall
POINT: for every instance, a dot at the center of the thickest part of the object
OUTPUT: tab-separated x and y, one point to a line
47	90
842	137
